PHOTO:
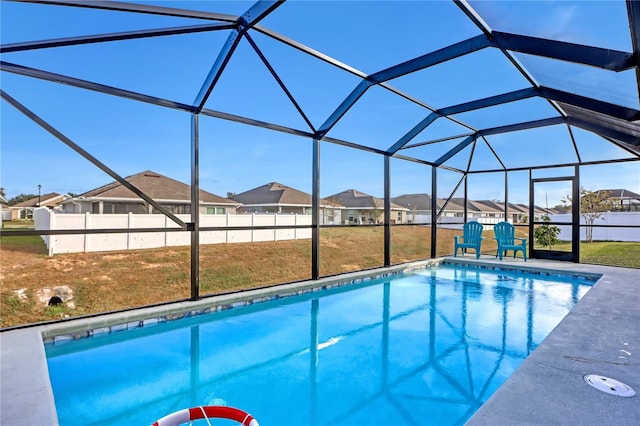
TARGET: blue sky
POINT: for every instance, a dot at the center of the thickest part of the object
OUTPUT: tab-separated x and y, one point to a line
130	137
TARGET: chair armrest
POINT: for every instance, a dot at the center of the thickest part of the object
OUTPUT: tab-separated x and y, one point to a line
521	239
457	238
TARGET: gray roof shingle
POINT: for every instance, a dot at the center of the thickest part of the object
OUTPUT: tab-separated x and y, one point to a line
33	202
620	193
355	199
273	193
156	186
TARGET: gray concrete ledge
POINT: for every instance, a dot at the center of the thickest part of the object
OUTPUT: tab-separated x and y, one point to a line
26	397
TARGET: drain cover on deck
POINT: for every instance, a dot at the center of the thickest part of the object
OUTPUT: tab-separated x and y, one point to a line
609	385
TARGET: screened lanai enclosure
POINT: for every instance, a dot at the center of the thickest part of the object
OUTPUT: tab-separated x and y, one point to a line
251	144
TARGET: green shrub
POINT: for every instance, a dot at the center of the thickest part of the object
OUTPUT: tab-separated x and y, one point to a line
546	235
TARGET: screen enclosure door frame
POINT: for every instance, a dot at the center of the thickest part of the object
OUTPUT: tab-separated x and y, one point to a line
573	222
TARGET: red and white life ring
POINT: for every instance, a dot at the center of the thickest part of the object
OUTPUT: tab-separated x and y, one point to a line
207	412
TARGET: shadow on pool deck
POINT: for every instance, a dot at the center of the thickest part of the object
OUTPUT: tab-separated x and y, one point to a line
601	335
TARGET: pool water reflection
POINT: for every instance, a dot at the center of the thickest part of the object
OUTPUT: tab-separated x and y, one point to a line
428	347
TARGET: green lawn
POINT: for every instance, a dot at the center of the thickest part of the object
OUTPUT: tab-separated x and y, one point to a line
23	243
17	224
613	253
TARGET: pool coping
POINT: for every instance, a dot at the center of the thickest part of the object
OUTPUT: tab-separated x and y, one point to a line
565	355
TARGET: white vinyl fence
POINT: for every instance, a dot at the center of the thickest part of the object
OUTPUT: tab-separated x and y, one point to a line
458	222
45	219
603	234
599	234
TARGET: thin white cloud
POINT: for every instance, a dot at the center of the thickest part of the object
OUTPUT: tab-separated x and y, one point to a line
559	25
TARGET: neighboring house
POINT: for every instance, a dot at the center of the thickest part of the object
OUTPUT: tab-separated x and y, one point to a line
622	200
359	207
6	211
492	211
418	207
518	213
171	194
4	208
24	210
277	198
484	211
274	197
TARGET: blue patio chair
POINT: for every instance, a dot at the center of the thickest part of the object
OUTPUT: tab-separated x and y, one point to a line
472	238
505	236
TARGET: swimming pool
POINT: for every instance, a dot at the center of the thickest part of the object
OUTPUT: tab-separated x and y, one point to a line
426	347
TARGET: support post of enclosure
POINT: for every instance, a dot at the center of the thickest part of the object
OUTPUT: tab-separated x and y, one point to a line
315	211
387	210
575	216
506	197
531	213
434	207
465	210
194	226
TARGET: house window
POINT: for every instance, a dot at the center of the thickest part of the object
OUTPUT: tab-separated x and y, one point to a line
121	208
108	208
216	210
176	208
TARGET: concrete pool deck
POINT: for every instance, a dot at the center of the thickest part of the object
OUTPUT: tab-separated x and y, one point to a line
601	335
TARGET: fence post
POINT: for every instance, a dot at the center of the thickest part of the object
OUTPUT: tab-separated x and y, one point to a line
253	223
51	238
226	233
87	225
166	233
129	236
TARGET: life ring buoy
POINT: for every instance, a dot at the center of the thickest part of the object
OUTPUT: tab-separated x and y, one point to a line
207	412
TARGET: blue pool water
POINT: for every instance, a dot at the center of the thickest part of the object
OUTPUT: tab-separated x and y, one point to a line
422	348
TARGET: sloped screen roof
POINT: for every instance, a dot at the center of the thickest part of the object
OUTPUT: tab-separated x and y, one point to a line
425	81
